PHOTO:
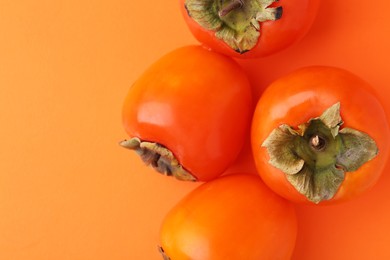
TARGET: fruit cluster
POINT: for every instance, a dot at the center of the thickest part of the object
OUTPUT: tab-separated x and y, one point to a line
319	135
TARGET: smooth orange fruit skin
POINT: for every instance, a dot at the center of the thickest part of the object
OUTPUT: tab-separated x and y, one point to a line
232	217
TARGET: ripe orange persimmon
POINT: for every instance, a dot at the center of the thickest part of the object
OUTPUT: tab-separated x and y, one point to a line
189	113
320	134
249	28
233	217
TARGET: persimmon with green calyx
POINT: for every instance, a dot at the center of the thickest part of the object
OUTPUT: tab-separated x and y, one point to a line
249	28
189	113
320	135
233	217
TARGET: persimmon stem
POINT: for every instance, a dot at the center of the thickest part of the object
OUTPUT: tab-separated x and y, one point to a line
235	4
317	142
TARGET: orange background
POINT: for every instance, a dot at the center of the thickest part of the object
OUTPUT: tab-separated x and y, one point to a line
68	191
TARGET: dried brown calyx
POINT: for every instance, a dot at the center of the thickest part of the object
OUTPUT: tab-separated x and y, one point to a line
159	157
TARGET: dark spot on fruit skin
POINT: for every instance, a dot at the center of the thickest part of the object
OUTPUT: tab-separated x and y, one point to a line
279	12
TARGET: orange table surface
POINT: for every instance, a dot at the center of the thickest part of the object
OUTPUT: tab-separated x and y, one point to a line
68	191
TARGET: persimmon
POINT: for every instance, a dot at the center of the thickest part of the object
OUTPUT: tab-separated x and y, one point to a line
249	28
233	217
189	113
320	135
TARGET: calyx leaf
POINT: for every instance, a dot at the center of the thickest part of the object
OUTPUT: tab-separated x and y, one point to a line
159	157
280	146
358	148
236	22
317	185
316	156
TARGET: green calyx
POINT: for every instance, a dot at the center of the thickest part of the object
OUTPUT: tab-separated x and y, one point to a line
316	156
159	157
236	22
